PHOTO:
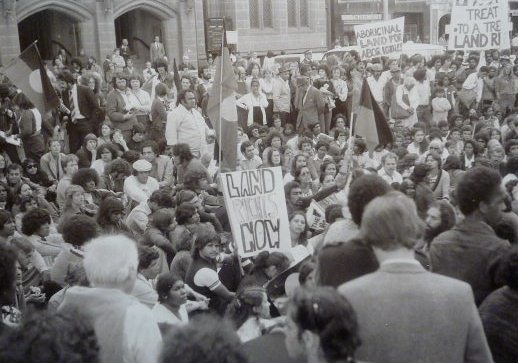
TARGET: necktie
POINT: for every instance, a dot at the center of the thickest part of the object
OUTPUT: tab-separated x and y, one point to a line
73	111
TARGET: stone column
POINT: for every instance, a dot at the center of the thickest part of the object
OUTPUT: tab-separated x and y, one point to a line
105	31
9	39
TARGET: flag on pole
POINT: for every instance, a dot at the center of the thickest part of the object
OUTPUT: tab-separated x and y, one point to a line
370	120
176	76
28	74
222	111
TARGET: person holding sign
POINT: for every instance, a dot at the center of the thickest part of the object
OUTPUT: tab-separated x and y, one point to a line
202	276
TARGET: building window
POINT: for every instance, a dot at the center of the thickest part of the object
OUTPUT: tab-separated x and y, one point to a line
298	13
261	14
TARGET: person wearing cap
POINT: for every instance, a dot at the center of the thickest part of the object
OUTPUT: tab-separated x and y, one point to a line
376	83
79	108
309	104
282	94
308	58
139	186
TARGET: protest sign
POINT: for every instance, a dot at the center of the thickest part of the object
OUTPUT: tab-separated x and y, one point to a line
381	38
316	217
257	210
479	25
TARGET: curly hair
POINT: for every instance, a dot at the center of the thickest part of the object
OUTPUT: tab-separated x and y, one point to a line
183	152
206	339
119	166
146	255
192	179
162	219
326	313
476	186
79	229
107	146
51	338
362	191
184	213
108	206
271	135
164	283
33	220
85	175
242	306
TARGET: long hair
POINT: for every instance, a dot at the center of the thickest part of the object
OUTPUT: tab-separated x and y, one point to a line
242	307
106	208
303	238
71	190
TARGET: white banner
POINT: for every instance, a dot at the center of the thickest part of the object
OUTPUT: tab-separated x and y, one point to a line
381	38
256	208
479	25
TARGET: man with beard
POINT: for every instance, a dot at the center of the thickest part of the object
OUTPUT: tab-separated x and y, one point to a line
440	217
203	88
470	251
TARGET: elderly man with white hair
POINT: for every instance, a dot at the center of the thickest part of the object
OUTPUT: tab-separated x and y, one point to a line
407	100
125	329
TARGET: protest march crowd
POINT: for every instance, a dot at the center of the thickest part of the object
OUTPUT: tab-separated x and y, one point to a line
116	243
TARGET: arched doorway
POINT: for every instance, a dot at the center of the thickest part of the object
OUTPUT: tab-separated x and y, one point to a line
53	30
139	27
443	21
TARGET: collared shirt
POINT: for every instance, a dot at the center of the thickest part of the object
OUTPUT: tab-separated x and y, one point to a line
423	90
187	126
250	164
138	218
394	178
390	261
124	95
137	191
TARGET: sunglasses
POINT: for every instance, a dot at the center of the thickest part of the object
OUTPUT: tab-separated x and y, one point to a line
30	166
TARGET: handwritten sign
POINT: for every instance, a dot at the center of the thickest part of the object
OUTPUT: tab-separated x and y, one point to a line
380	38
479	25
257	210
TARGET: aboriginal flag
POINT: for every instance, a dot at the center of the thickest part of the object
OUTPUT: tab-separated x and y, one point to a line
28	74
222	111
370	120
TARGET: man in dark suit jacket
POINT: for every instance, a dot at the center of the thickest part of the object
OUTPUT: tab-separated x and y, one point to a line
117	109
156	50
158	113
405	313
82	110
309	104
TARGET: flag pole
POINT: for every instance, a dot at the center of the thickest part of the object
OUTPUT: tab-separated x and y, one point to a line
220	154
16	58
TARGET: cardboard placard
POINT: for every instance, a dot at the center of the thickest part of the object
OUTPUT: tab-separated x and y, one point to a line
479	25
382	38
257	211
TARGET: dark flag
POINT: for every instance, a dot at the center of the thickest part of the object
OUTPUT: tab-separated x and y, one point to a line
222	111
28	74
371	123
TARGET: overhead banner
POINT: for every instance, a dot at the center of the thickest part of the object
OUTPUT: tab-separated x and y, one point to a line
256	208
381	38
479	25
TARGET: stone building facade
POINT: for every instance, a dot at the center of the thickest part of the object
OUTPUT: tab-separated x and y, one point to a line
96	27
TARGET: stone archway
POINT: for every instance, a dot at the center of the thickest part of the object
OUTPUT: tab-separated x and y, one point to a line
55	24
140	20
443	22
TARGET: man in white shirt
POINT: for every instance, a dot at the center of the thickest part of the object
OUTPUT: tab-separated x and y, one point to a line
475	82
252	161
388	171
185	124
139	187
138	218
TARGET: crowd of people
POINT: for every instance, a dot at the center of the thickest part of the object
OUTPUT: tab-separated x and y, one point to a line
115	241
